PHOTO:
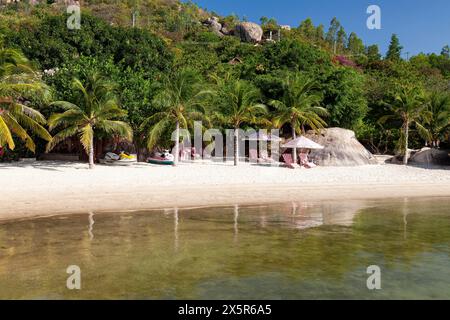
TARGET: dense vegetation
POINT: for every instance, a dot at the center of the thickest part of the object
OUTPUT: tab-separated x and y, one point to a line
322	77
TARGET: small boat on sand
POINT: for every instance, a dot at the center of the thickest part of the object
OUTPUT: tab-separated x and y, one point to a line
122	159
163	158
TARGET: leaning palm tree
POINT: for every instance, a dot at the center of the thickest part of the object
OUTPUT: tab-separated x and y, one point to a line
237	102
179	102
299	107
17	82
409	106
96	109
439	122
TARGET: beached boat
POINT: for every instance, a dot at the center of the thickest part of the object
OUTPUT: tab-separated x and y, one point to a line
164	158
123	159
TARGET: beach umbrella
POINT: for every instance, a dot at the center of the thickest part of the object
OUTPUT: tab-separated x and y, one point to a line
261	136
302	143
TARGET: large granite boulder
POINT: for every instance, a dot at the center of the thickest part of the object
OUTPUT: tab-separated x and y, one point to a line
342	149
428	156
249	32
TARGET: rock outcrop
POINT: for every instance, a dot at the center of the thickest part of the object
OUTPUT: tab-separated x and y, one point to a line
342	149
428	156
216	27
249	32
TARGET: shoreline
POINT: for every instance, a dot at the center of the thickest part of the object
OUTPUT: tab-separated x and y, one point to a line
69	189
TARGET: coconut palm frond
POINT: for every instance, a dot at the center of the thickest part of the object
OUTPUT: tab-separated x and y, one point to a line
18	109
300	104
86	136
120	128
19	131
65	105
17	81
68	118
61	136
5	134
423	132
155	133
34	127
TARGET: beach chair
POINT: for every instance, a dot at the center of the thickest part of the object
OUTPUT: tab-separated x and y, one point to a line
265	157
287	157
304	161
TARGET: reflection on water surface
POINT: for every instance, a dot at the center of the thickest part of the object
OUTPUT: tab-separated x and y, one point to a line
282	251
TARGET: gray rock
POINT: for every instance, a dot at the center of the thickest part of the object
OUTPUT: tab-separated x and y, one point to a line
249	32
215	26
225	31
428	156
342	149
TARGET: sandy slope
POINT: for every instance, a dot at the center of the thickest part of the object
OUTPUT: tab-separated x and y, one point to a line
47	188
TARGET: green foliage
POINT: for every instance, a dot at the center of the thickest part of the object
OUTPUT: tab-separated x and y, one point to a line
177	103
439	117
169	36
238	102
407	104
17	118
300	105
344	98
373	53
94	108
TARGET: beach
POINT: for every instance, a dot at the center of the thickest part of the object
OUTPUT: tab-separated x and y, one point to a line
50	188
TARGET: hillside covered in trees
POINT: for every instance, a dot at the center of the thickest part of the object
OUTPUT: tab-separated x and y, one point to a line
140	46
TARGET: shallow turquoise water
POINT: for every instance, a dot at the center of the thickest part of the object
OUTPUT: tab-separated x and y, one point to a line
283	251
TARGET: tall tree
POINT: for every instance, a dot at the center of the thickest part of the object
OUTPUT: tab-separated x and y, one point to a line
96	109
299	106
395	49
409	106
331	36
307	29
17	81
341	40
355	45
320	33
373	53
238	102
178	102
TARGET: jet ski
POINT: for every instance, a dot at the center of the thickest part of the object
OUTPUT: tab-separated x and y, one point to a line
122	159
163	158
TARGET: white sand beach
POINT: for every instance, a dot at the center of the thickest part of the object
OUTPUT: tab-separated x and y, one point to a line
49	188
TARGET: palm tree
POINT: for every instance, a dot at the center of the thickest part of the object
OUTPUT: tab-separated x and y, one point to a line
237	102
96	108
299	107
17	81
179	102
439	122
409	106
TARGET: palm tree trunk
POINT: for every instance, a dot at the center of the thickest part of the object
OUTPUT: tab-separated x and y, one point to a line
236	146
294	150
177	143
405	158
91	153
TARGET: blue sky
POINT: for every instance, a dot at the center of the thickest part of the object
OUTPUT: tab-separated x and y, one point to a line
422	25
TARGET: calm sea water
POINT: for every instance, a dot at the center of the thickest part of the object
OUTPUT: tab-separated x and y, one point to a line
282	251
